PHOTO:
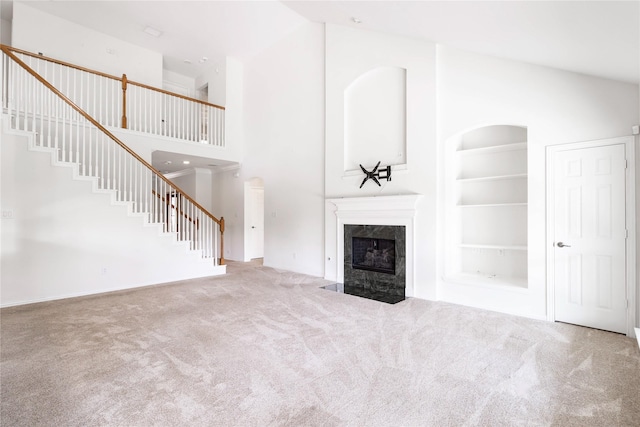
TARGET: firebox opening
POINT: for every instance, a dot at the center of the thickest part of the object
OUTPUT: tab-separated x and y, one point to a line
374	254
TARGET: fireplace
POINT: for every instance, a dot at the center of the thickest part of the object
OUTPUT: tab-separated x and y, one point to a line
380	217
373	254
374	261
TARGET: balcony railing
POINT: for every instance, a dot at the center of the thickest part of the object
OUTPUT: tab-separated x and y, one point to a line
118	102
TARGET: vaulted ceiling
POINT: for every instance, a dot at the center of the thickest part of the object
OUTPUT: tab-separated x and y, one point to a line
600	38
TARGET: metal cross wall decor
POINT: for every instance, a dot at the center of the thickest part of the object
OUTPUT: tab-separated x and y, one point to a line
384	173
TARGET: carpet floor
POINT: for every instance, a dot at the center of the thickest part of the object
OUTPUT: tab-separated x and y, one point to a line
263	347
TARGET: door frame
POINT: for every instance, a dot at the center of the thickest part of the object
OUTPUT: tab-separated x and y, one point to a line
630	218
250	185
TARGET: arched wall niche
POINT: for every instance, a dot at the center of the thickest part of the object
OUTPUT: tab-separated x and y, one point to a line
486	209
375	123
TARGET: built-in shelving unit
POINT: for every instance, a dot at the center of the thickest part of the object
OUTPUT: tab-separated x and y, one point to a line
487	217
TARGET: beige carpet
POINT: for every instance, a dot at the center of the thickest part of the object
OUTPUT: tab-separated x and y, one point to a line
261	347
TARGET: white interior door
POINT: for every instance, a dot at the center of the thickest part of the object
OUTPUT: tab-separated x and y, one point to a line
256	223
589	237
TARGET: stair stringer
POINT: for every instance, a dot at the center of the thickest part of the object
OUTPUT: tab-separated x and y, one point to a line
64	237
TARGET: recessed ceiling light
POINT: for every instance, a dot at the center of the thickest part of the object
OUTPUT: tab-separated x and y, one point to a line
356	20
168	162
153	32
186	61
203	59
186	162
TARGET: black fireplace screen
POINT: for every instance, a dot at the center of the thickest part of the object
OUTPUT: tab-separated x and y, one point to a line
374	254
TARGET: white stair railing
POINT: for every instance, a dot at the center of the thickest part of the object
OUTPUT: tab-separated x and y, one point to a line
118	102
36	106
163	113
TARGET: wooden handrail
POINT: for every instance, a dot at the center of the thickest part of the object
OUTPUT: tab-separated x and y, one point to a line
57	61
177	95
108	76
115	139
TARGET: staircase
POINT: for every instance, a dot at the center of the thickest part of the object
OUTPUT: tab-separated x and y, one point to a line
81	212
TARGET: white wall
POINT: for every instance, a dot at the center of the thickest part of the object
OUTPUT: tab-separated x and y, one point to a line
556	107
234	101
204	191
227	188
178	83
350	54
228	197
284	138
5	32
215	78
197	183
37	31
185	180
62	240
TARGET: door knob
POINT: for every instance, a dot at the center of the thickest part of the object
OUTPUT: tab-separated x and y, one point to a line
562	245
253	226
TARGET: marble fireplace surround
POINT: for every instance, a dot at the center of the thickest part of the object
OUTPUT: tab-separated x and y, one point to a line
382	210
386	282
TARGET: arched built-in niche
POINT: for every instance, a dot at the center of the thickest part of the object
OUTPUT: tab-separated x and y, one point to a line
487	209
375	121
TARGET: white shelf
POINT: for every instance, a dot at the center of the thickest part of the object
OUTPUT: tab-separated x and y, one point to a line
493	178
488	204
489	280
492	205
496	247
494	149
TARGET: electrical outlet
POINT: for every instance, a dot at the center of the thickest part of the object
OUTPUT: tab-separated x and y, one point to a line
7	214
103	271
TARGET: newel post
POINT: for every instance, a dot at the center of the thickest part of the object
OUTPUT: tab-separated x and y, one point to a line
222	240
124	101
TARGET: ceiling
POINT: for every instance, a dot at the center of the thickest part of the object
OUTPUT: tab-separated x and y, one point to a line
600	38
190	29
167	162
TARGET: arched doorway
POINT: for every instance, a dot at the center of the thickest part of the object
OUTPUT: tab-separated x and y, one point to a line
253	219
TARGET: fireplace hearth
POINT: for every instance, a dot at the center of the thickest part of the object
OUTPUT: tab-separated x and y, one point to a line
365	293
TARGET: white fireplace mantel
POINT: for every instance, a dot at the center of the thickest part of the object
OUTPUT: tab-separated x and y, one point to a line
382	210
